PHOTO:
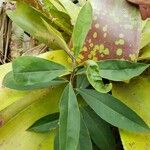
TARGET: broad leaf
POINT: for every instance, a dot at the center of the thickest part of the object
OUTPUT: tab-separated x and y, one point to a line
84	139
136	96
99	130
93	75
46	123
34	71
69	120
82	27
115	32
118	70
113	111
145	53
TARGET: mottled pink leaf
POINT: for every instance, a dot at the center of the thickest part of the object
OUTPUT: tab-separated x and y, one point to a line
115	32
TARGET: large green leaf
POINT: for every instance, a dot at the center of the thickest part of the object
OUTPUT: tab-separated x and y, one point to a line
84	139
69	120
135	95
82	82
93	75
29	19
115	33
99	130
113	111
46	123
34	72
81	28
118	70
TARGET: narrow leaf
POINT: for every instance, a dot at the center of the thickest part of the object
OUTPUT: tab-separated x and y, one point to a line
118	70
34	71
82	27
99	130
69	120
46	123
93	75
84	139
9	82
113	111
56	35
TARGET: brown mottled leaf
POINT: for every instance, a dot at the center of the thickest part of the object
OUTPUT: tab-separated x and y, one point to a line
115	33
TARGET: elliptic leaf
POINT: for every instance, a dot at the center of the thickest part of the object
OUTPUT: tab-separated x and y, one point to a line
46	123
118	70
113	111
81	28
69	120
36	72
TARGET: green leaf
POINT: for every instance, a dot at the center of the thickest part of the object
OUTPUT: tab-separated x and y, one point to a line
82	27
113	111
71	8
82	82
57	36
69	120
99	130
93	75
29	19
9	82
84	139
118	70
36	72
45	124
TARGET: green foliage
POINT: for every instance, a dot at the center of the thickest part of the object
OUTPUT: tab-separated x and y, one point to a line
46	123
118	70
100	131
33	72
113	111
69	120
82	27
93	75
86	110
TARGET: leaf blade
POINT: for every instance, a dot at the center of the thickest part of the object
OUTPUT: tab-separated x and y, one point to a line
69	120
82	27
113	111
